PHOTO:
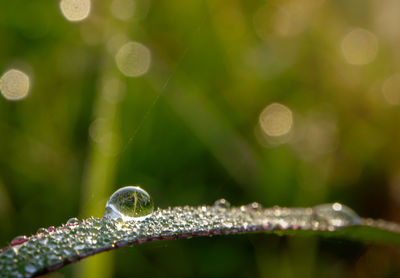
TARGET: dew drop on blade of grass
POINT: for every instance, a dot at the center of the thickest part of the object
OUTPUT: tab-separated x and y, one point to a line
42	231
72	221
30	269
222	203
254	206
18	240
335	215
129	203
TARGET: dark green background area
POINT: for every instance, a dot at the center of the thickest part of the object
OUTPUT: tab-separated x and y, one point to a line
188	130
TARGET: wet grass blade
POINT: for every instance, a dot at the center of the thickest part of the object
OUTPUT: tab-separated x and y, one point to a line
54	248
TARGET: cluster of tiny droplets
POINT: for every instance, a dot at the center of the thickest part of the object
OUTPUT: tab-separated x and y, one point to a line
53	248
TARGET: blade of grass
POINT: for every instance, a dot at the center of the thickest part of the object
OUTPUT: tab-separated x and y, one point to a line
55	247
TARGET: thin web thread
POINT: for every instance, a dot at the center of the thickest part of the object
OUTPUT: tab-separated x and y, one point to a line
156	99
152	105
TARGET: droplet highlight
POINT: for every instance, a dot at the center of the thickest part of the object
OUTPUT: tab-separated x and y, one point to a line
129	203
335	215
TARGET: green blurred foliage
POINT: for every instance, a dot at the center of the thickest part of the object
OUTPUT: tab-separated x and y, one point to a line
188	131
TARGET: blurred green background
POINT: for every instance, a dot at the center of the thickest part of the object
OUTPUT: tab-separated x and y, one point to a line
290	103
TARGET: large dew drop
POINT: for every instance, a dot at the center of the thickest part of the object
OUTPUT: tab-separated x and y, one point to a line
129	203
335	215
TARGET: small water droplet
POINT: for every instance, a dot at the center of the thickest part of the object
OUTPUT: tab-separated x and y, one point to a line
30	269
129	203
72	221
254	206
18	240
335	215
42	231
222	203
283	224
277	211
79	247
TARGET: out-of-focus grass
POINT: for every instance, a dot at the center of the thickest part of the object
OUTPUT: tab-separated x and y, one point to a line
216	65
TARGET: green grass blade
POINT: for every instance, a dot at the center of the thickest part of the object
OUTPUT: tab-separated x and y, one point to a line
54	248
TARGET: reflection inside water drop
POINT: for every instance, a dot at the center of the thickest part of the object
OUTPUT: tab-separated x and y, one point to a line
129	203
335	215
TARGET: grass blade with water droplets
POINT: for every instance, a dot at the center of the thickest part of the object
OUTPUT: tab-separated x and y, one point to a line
53	248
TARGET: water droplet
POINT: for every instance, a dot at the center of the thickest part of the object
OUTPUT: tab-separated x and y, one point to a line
254	206
283	224
129	203
222	203
72	221
335	215
18	240
277	211
42	231
30	269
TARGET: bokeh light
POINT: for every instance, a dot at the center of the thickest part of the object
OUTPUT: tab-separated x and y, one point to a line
122	9
115	42
315	136
276	120
290	19
391	89
14	84
106	140
75	10
261	22
91	32
113	90
98	130
387	18
359	46
133	59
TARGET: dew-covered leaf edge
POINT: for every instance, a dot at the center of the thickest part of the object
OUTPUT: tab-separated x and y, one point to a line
53	248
